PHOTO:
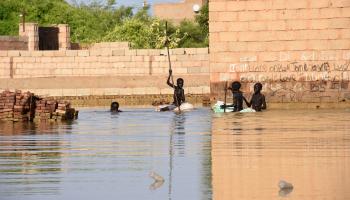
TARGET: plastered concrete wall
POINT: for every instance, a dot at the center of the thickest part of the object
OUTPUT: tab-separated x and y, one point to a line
299	50
105	69
176	12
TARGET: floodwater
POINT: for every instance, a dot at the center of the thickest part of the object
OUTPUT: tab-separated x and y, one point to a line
252	152
199	154
108	156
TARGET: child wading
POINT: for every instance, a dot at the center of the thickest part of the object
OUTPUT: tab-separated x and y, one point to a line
115	107
179	93
257	102
237	97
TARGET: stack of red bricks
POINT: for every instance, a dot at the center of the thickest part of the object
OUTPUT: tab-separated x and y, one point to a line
44	110
16	106
24	106
19	107
52	110
7	103
65	111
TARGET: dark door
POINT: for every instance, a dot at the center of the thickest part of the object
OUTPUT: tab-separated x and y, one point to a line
48	38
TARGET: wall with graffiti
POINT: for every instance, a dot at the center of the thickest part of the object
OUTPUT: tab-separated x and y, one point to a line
299	50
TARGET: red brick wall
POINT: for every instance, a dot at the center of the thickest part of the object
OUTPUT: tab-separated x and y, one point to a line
298	49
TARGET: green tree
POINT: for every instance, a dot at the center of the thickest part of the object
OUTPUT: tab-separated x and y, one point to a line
143	31
193	35
9	17
203	18
96	22
89	23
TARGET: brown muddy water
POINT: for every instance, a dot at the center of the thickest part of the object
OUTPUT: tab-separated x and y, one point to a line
199	154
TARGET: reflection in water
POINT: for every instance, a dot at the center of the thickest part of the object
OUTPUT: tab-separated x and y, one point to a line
285	192
178	134
251	152
158	181
177	131
108	156
156	184
23	157
184	131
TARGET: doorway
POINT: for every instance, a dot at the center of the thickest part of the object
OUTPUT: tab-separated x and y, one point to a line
48	38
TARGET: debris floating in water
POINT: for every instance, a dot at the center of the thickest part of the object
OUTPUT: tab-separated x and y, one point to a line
285	188
158	180
284	185
285	192
156	176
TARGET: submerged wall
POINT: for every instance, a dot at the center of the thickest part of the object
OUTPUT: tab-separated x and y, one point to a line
107	69
299	50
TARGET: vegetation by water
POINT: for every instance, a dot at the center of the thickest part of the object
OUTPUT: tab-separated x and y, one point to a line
102	22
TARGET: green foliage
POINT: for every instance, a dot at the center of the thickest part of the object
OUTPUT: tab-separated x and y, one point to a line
92	23
89	23
203	18
143	31
96	22
193	34
9	19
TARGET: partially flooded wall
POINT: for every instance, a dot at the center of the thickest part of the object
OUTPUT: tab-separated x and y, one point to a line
106	69
299	50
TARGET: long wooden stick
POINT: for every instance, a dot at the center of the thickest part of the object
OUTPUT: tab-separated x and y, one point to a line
225	96
172	78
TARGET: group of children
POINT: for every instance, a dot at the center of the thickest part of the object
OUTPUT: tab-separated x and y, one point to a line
257	101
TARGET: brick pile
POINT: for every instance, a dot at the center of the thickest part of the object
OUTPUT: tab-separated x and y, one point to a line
64	111
7	103
21	107
53	110
44	110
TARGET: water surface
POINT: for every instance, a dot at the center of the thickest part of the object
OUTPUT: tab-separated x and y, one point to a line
252	152
201	156
108	156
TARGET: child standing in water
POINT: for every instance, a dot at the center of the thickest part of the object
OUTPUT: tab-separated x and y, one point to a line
257	101
179	93
237	96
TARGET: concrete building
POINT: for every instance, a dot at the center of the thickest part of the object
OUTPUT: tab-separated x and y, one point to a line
32	37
